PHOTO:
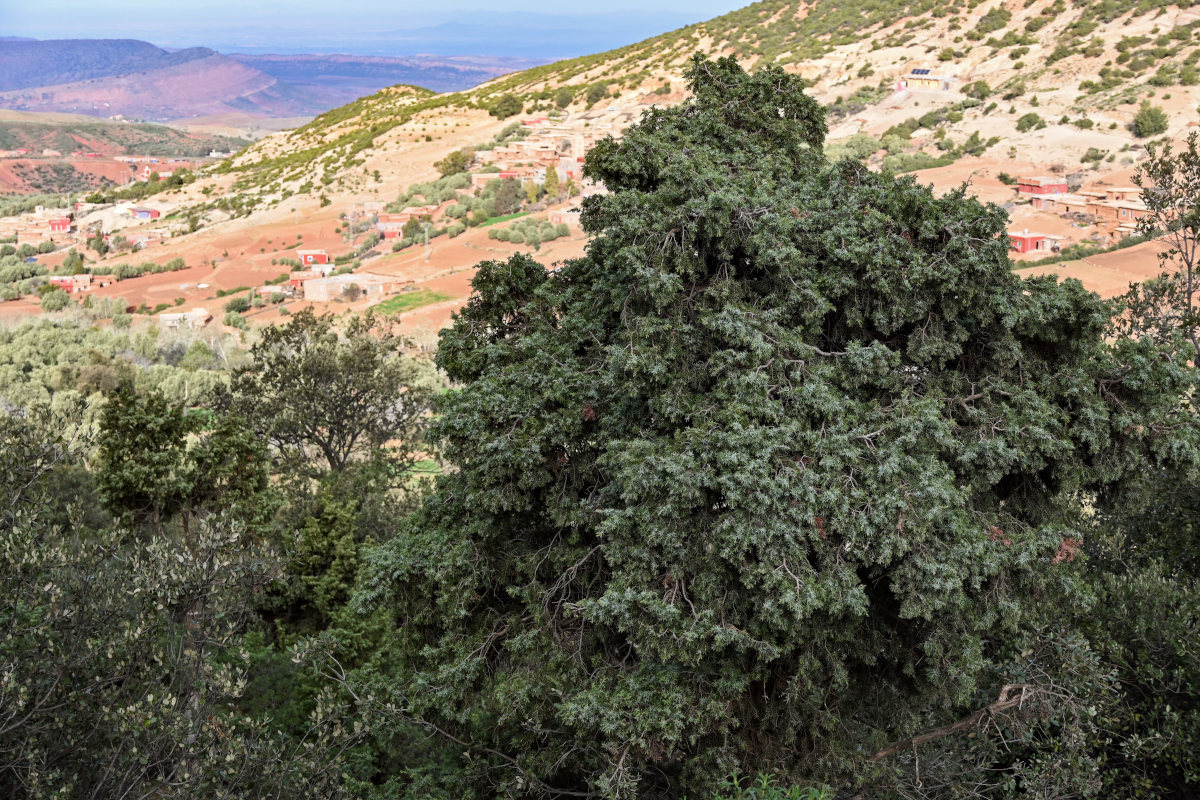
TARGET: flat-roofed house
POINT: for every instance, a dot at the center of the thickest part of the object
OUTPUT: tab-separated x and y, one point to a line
1027	241
1041	184
324	290
308	257
923	79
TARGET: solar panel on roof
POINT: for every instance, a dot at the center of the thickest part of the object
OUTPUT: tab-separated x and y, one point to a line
920	72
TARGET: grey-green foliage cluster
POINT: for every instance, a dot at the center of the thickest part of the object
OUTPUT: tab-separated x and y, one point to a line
432	193
512	132
56	363
530	231
123	656
18	277
162	554
761	481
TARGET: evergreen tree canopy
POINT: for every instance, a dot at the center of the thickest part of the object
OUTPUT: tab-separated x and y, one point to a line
752	484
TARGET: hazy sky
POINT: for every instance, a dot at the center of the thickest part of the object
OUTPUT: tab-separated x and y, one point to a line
352	25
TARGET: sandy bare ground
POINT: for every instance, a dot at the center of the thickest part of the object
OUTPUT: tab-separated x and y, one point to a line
1108	274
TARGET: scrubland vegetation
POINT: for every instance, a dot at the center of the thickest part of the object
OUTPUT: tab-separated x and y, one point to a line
788	488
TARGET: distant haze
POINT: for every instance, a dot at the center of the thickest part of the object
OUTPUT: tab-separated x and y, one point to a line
529	29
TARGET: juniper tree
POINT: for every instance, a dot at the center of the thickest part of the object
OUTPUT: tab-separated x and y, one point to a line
754	483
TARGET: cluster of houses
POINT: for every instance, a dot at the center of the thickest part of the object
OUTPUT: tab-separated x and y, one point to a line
81	284
318	283
40	225
546	146
1114	211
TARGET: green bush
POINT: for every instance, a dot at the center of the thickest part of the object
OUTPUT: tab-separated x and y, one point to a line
505	106
1029	122
1149	121
237	305
55	300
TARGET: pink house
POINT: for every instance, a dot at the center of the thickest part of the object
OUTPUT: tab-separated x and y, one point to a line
60	225
1042	184
312	256
1027	241
72	284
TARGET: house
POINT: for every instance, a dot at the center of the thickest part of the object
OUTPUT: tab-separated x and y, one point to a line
1067	204
1117	210
1042	184
1123	193
481	179
413	212
1116	231
922	79
391	226
312	256
1027	241
196	318
60	225
72	284
324	290
297	280
145	213
564	217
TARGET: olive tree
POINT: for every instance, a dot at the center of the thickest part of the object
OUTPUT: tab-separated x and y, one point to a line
1170	303
314	391
121	663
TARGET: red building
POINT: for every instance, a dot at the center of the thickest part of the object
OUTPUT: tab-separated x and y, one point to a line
60	225
72	284
1042	184
1027	241
312	256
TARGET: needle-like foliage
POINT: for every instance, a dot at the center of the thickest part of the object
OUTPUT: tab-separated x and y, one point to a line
752	485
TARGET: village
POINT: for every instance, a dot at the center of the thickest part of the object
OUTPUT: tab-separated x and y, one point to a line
323	274
336	265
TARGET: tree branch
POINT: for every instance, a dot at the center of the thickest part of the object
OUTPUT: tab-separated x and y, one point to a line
1011	695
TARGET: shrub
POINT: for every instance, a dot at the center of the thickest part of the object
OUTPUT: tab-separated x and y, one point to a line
1029	122
237	305
505	106
55	300
1149	121
978	89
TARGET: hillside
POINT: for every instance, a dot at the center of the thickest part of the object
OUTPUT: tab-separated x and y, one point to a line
1018	88
31	63
139	80
1080	70
60	153
67	133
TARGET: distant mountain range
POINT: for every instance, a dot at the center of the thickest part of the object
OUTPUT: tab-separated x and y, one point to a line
136	79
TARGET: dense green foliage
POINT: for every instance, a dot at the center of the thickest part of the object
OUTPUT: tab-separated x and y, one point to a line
789	475
761	481
1149	121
